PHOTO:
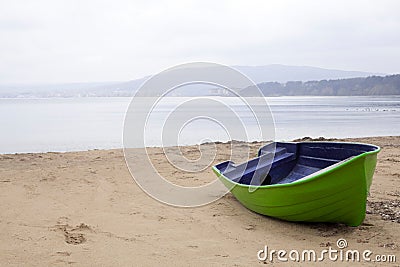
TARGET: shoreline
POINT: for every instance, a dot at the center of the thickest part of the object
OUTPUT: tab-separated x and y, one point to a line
300	139
131	96
85	208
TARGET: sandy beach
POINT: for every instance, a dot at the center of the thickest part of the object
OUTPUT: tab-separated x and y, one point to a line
84	209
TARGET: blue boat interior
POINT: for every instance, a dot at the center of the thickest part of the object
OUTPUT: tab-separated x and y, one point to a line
290	162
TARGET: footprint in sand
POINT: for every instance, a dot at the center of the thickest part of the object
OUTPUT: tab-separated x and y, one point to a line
72	235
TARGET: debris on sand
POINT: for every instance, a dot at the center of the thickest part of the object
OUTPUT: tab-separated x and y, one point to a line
308	139
389	210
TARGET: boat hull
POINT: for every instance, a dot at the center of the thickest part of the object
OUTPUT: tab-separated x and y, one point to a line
337	194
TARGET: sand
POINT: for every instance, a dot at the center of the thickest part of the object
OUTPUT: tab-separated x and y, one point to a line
84	208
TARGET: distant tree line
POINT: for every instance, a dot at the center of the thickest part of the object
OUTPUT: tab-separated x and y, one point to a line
373	85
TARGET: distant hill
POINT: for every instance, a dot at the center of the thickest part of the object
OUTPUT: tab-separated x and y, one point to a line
277	73
272	77
99	89
373	85
284	73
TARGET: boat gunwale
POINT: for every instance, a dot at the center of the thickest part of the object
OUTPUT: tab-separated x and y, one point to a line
312	176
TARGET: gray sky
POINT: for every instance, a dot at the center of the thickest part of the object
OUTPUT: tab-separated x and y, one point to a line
83	41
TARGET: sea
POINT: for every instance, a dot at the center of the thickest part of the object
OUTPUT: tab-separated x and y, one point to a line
87	123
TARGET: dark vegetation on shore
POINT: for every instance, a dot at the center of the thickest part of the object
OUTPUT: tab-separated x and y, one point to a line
373	85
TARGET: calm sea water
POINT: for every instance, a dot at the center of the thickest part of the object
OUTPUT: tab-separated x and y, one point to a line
69	124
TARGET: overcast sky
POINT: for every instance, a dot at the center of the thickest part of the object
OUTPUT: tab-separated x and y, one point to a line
83	41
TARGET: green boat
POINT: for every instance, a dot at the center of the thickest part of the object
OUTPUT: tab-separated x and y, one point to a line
306	181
